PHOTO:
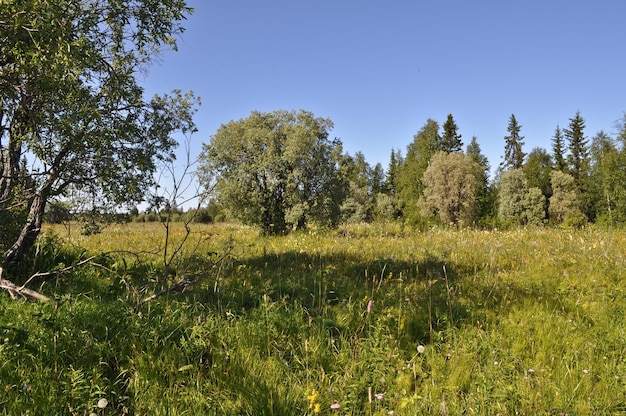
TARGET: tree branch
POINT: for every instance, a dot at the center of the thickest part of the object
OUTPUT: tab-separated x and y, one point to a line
14	289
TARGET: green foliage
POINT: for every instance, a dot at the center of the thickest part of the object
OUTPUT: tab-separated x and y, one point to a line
485	204
277	170
575	218
537	170
558	151
564	196
71	103
608	173
451	184
534	207
409	174
514	143
358	205
395	161
512	194
578	157
450	140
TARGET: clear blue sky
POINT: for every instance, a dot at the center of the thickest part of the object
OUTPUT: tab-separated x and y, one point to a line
380	69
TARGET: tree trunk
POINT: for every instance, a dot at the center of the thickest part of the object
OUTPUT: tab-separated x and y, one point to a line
29	232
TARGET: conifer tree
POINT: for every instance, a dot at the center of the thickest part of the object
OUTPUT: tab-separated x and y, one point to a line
451	140
560	163
578	150
578	160
392	171
483	200
513	153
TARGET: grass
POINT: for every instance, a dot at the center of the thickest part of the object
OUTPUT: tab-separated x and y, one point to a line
372	319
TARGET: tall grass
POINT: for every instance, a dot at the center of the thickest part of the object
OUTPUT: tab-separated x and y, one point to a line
365	320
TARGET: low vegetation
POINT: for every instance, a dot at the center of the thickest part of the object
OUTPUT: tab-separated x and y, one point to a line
363	320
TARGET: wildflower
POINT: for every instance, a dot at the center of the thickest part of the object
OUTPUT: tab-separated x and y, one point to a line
317	408
102	403
369	306
495	363
421	349
312	398
585	371
335	406
530	371
379	396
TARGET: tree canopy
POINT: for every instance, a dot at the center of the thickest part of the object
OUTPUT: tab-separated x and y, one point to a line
451	185
72	107
277	170
450	140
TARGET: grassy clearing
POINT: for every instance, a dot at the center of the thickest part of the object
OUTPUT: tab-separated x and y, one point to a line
370	319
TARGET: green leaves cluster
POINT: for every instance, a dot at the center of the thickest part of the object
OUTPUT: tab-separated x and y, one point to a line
277	170
71	104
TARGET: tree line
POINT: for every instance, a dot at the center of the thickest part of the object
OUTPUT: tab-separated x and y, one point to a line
281	170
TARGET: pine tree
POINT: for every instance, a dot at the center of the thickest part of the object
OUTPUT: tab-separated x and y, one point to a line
451	140
513	154
560	163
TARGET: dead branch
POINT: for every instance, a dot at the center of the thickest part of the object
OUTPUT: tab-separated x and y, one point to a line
14	289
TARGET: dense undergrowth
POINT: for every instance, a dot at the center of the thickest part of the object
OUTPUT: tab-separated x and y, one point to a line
366	320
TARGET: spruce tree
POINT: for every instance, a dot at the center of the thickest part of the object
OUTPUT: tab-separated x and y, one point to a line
560	163
392	170
484	204
513	153
578	160
451	140
578	150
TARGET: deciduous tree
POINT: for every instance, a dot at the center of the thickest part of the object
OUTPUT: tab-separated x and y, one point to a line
608	173
451	183
564	196
277	170
512	191
409	176
71	104
537	170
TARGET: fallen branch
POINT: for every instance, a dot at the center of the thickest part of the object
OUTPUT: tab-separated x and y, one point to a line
14	289
23	291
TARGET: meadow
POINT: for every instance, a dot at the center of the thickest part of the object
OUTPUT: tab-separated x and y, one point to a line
363	320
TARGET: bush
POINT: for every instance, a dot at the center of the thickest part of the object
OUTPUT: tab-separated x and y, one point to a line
575	219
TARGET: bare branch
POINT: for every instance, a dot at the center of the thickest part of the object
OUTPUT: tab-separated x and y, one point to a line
14	290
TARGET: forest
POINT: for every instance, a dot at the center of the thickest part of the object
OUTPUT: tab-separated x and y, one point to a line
286	173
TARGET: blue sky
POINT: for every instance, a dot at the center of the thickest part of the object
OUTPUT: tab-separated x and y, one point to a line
380	69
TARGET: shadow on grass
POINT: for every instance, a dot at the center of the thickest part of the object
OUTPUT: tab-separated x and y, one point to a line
434	292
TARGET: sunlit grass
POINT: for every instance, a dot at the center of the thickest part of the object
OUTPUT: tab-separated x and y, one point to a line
367	319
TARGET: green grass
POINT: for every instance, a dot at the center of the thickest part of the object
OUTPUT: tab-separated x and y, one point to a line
511	322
